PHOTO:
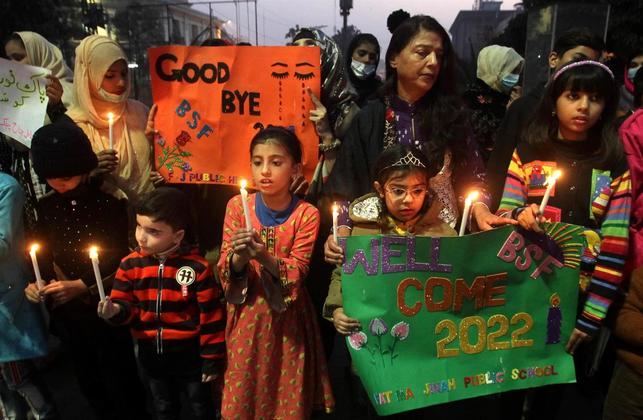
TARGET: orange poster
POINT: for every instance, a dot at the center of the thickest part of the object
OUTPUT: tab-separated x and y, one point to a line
213	100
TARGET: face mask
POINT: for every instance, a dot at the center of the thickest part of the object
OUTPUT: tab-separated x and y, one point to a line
632	72
509	81
361	70
110	97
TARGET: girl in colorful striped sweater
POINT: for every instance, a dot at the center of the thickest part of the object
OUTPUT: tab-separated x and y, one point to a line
573	132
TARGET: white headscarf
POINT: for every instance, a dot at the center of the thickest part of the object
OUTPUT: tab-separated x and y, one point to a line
495	62
94	56
43	53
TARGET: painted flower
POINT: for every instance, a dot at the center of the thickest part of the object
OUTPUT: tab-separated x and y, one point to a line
378	327
357	340
186	167
161	141
183	138
400	330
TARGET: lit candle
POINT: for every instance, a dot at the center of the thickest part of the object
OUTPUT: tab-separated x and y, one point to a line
36	269
335	216
467	209
551	181
93	255
110	118
244	203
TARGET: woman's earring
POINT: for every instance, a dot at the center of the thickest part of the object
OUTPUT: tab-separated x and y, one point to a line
553	113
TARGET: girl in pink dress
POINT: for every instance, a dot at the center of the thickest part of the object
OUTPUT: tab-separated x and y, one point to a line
276	366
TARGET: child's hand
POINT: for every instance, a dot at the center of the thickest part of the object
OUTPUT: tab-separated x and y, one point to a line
344	324
108	309
333	253
576	339
33	294
107	162
487	220
530	218
62	291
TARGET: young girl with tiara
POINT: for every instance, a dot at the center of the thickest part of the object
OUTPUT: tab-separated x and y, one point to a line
573	132
402	204
276	366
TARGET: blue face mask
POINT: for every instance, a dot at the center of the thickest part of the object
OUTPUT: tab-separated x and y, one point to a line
631	73
508	82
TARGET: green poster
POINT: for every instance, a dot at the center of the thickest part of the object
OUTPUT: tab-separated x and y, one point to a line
445	319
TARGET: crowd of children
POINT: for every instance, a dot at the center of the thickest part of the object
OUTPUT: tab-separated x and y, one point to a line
242	338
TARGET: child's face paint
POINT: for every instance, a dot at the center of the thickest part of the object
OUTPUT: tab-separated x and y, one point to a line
63	185
115	79
155	237
577	113
273	169
404	195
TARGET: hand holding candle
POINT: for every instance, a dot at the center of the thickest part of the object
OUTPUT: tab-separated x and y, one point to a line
468	202
110	119
36	269
335	216
244	203
551	182
93	255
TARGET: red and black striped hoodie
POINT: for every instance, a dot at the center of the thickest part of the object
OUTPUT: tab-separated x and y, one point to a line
169	299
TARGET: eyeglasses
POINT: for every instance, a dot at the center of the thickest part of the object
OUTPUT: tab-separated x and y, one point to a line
399	193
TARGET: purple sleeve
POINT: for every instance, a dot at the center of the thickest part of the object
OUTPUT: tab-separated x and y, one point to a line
469	174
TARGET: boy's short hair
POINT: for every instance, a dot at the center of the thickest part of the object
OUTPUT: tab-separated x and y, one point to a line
168	205
576	37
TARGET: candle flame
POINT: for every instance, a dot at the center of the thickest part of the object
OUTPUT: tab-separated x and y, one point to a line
553	177
243	183
34	249
472	196
110	117
335	208
93	252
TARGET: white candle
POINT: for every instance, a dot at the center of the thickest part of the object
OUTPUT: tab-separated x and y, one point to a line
36	269
551	181
467	209
244	203
110	118
335	216
93	255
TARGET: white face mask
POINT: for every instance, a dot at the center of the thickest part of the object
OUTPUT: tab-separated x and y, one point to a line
361	70
110	97
631	73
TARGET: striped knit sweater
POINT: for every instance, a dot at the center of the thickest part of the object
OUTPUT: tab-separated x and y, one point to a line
158	307
588	194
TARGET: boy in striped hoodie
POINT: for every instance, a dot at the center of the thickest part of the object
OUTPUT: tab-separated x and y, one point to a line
166	292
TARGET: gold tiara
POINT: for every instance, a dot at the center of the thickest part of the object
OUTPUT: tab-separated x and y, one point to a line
408	160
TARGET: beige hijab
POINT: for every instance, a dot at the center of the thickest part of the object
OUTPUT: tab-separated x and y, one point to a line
94	55
495	62
43	53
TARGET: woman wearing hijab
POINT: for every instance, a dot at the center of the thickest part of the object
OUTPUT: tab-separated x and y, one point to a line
362	58
33	49
498	73
102	87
